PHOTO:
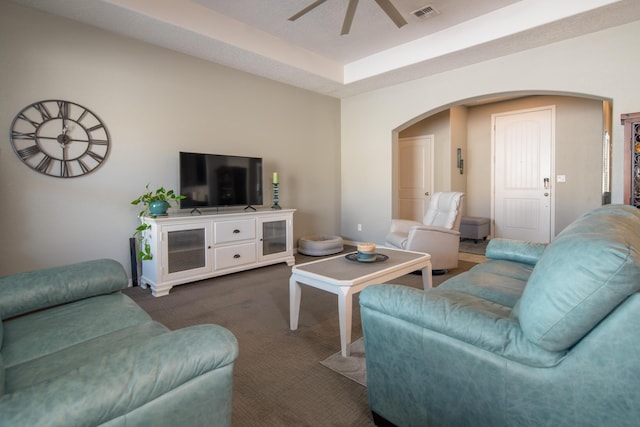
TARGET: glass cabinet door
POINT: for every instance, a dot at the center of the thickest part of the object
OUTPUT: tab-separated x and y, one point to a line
274	237
186	249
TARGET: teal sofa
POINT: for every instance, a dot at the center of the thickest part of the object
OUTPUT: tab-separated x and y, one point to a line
535	336
75	351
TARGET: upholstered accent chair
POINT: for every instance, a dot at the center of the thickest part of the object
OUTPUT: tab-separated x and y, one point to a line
438	234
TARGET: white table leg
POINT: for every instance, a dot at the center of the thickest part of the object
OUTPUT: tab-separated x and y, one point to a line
345	307
427	280
294	303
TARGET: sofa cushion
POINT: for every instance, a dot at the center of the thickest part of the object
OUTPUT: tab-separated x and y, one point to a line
498	281
44	332
590	268
60	363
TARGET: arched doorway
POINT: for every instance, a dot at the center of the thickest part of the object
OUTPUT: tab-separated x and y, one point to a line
581	128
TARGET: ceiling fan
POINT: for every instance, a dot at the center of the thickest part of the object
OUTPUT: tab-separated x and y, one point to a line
385	5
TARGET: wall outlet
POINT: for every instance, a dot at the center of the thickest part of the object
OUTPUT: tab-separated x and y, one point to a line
359	227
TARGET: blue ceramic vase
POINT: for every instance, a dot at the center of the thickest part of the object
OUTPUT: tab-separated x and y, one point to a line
158	208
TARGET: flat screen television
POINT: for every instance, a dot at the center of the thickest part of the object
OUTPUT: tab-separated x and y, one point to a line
214	180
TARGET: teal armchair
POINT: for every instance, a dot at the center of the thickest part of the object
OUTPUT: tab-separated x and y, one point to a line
75	351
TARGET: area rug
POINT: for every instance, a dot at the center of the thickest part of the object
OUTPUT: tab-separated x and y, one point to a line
352	366
469	246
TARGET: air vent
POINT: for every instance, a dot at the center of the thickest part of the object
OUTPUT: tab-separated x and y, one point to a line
425	12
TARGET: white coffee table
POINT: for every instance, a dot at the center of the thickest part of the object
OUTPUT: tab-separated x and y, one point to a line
345	278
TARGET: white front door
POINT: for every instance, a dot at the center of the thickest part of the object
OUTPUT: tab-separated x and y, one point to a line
415	176
523	145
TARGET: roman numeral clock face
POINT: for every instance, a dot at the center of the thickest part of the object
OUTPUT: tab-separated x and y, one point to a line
59	138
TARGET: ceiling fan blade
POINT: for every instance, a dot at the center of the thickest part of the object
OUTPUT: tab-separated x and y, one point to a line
392	12
348	18
307	9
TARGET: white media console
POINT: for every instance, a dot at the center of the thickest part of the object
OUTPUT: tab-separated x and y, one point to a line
187	248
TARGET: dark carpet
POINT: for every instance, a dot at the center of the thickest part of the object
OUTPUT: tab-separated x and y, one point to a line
278	380
471	246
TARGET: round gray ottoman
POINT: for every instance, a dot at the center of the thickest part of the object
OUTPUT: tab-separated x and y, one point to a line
320	245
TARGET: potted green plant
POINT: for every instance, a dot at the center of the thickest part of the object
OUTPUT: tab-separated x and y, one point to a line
156	203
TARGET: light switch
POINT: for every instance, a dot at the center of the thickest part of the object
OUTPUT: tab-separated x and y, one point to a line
561	178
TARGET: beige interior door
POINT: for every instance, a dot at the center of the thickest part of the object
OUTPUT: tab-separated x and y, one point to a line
415	176
522	198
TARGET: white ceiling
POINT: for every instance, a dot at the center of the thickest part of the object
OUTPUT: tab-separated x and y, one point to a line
372	30
256	36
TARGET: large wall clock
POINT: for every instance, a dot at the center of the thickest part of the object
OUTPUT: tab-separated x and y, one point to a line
59	138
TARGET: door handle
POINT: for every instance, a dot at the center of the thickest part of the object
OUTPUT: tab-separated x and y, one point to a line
426	194
546	184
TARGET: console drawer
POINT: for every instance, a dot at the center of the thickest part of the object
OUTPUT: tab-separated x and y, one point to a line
232	256
234	231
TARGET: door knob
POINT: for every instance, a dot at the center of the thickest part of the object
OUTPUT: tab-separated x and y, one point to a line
426	194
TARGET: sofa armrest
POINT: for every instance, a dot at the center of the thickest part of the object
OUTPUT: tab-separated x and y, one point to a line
418	229
515	250
437	241
35	290
119	383
403	225
458	315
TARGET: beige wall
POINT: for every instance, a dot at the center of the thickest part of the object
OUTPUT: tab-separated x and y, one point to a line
438	125
154	102
600	66
458	140
449	129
